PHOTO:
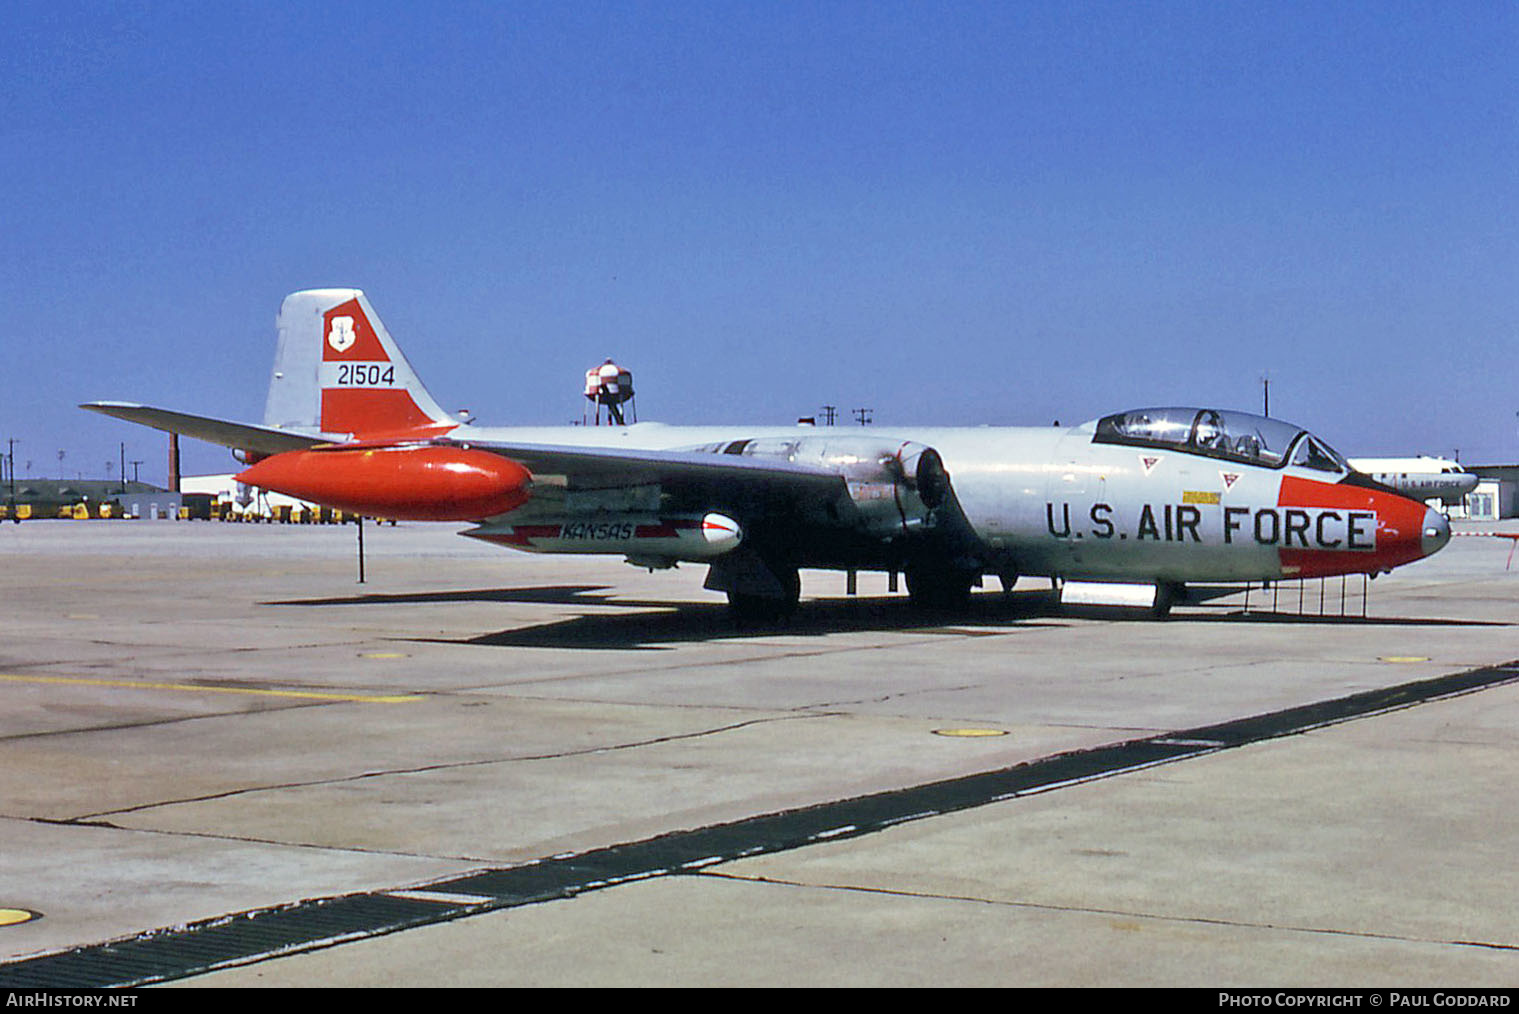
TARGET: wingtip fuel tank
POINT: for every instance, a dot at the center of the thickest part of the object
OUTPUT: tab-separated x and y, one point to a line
405	483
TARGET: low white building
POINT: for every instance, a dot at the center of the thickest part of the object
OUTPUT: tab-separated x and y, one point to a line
1496	495
244	498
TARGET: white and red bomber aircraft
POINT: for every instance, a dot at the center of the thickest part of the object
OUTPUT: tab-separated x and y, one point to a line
1150	499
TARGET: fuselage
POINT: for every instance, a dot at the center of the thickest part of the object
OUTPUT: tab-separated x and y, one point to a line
1073	503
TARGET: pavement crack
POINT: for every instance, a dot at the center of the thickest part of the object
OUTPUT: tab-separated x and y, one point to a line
73	822
796	654
1196	920
243	839
428	768
887	698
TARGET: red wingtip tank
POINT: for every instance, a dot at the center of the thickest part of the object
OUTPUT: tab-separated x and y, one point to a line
404	483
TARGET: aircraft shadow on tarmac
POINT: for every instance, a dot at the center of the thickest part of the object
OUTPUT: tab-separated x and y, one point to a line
561	595
709	621
623	623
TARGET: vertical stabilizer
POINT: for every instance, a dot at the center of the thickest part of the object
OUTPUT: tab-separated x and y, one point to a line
338	371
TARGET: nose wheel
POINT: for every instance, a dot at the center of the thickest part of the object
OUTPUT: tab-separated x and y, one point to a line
1167	594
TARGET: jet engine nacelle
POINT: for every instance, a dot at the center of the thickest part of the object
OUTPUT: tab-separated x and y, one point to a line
894	485
405	483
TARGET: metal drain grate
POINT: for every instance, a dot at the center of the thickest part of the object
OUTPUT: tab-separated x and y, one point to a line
175	953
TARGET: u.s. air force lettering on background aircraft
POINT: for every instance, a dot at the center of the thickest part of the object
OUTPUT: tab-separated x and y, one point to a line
1423	478
1154	497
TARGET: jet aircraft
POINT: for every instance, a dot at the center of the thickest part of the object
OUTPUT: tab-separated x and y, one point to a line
1150	499
1422	478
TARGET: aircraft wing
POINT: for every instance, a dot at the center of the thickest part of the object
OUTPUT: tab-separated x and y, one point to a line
259	439
714	478
706	480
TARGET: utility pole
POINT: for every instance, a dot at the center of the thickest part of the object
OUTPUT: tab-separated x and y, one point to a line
829	413
173	462
862	416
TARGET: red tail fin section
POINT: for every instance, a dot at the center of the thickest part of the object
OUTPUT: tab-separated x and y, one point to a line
338	371
364	391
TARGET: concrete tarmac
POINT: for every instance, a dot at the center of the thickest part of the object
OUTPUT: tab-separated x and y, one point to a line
202	720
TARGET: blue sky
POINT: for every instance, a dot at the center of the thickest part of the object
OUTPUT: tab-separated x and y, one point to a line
1003	213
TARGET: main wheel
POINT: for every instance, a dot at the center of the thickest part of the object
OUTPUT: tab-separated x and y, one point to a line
939	587
750	608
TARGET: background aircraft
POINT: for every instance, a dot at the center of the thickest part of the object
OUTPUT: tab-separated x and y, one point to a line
1149	499
1422	478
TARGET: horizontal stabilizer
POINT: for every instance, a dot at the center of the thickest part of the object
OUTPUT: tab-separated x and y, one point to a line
258	439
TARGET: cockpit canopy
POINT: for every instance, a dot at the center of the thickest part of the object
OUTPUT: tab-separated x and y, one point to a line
1217	433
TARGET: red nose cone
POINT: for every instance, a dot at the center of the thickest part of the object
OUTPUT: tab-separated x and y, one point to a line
1348	529
405	483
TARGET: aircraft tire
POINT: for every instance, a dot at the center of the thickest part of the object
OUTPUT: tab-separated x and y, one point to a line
1167	594
939	588
750	608
754	608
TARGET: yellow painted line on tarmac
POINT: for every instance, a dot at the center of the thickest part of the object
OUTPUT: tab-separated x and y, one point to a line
1405	658
16	916
309	695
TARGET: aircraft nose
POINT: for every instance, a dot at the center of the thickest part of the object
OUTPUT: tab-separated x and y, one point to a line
1436	532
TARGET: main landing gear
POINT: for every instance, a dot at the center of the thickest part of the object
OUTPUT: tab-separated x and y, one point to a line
940	588
748	607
